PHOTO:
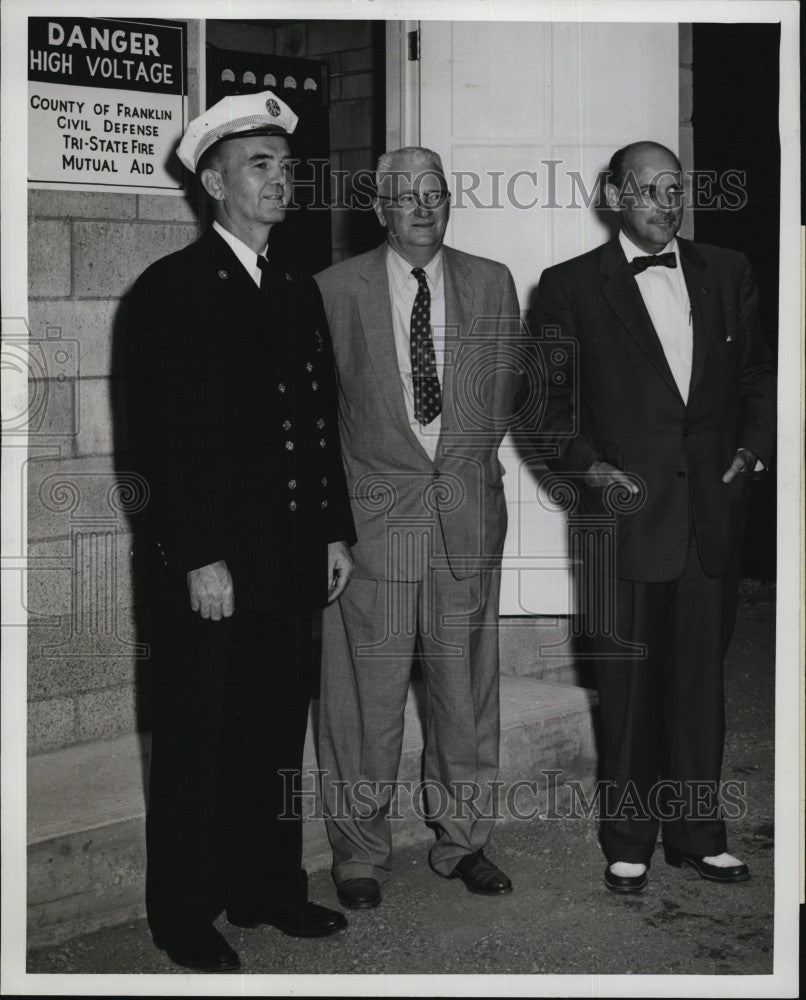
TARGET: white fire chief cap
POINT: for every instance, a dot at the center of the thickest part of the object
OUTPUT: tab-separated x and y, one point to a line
235	118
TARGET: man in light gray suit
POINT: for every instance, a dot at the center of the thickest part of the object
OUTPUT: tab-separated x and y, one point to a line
426	341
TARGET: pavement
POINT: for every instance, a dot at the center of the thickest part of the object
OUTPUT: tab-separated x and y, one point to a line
560	919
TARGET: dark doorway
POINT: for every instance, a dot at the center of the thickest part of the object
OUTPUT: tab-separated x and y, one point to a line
304	240
344	129
736	73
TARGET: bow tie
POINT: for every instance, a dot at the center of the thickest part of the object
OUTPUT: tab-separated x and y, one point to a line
639	264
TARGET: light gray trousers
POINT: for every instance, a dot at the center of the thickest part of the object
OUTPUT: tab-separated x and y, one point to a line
368	641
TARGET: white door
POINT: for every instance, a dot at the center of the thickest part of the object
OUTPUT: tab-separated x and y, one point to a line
533	110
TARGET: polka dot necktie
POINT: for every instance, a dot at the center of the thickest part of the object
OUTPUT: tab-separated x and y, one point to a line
427	394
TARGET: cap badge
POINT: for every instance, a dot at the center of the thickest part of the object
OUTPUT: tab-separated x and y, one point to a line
223	275
273	108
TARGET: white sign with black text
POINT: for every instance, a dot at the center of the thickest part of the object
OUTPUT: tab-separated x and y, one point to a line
108	104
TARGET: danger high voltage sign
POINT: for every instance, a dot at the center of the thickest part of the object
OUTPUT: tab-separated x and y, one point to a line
107	103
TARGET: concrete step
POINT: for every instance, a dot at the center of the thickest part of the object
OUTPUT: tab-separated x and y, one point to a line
542	647
86	855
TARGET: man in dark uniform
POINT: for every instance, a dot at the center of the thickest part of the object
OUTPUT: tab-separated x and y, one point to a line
231	405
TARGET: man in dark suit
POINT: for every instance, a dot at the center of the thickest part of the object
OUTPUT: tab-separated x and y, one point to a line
424	337
676	408
231	403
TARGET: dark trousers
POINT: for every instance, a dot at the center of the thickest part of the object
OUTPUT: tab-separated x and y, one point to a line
663	715
230	713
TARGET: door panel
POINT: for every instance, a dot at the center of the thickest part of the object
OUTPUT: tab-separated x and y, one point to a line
497	98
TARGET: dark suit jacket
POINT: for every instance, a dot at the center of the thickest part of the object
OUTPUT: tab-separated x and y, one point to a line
629	411
394	484
232	419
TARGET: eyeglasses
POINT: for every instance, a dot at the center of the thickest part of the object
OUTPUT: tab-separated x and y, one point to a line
409	200
652	196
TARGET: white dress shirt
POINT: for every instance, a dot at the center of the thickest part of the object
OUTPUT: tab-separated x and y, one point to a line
665	296
246	255
402	292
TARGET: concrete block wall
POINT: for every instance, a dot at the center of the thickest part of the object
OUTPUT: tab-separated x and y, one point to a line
85	249
86	676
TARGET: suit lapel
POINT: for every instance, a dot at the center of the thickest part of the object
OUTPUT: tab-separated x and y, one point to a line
621	290
458	310
229	280
700	293
375	312
267	315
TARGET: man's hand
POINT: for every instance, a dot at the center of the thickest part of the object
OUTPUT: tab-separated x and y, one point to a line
339	569
211	593
603	474
745	461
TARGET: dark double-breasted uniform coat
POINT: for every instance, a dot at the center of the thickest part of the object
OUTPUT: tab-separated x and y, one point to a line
232	420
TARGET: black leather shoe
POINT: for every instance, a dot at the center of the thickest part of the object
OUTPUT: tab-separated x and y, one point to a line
203	951
312	922
359	893
713	873
625	884
481	876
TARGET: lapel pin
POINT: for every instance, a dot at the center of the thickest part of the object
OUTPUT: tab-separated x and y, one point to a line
288	277
223	275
